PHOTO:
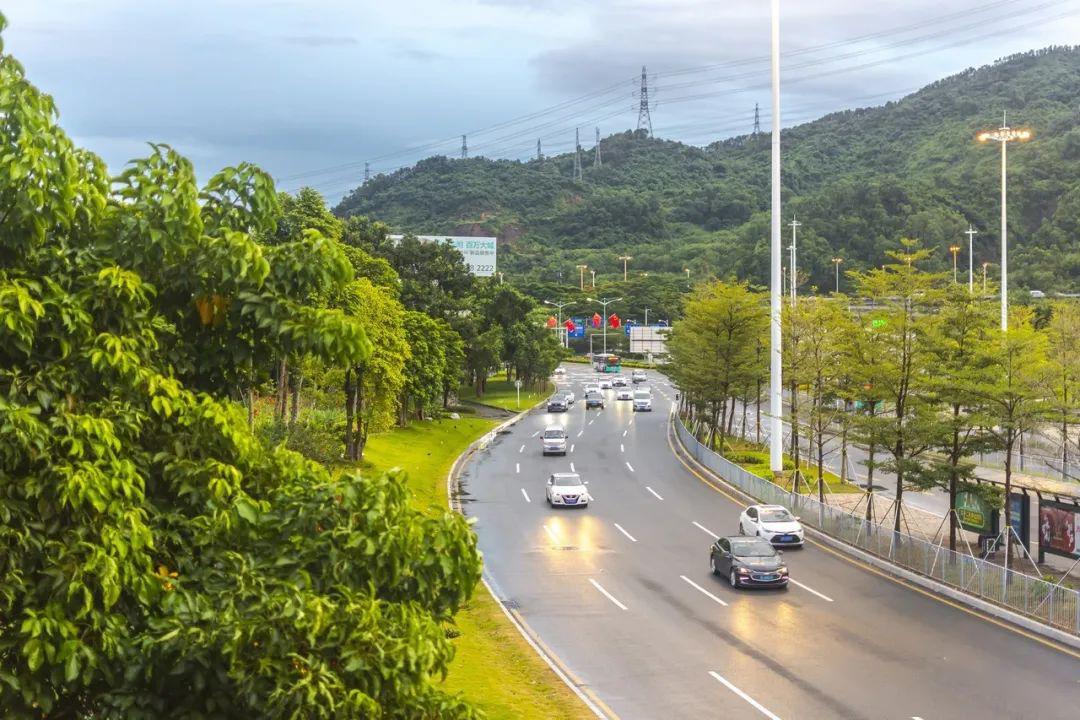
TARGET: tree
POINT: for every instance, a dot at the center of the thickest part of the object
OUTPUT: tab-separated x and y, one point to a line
1063	334
424	370
434	276
158	560
483	355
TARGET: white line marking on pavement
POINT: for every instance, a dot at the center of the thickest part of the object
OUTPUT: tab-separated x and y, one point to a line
702	527
811	590
620	529
591	422
608	595
624	432
536	433
655	494
521	449
580	433
744	696
572	468
621	448
526	495
630	466
703	590
517	467
915	717
572	446
630	423
551	534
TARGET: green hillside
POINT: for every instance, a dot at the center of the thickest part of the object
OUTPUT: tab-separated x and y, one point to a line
858	180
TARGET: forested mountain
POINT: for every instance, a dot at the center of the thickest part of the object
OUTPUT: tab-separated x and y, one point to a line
858	180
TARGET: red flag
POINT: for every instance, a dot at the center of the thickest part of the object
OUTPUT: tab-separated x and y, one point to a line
613	320
570	326
552	322
596	320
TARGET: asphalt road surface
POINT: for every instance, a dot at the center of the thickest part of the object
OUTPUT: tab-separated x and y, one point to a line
621	592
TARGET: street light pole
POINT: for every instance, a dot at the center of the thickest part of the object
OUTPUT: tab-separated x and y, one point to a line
581	272
625	259
605	302
776	407
971	233
954	249
593	273
687	271
793	280
646	317
985	265
1004	135
560	306
836	262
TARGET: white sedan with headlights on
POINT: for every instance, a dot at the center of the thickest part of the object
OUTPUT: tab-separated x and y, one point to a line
773	523
567	490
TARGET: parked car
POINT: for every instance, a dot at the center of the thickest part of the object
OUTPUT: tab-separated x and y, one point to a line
594	398
642	400
567	489
748	562
554	440
637	376
773	523
557	403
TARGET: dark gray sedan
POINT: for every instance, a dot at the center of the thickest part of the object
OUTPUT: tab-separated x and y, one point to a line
748	562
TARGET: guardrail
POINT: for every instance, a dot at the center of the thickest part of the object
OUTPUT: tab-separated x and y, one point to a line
1033	597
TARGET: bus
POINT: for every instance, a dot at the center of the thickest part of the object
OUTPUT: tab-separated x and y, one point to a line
606	363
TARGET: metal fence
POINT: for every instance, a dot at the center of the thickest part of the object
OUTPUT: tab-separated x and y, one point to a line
1031	596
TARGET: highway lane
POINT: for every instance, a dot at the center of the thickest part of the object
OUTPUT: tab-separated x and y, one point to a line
621	592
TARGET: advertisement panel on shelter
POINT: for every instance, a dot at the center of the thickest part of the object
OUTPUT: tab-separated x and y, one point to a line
974	513
1059	528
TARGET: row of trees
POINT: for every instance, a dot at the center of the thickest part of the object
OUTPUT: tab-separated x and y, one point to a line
917	371
156	559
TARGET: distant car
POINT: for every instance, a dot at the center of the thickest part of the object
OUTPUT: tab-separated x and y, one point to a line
594	398
637	376
772	523
618	381
642	400
560	370
554	440
1038	294
567	489
605	384
748	562
624	393
557	403
570	397
591	387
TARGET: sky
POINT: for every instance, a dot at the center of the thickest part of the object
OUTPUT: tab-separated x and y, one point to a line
310	90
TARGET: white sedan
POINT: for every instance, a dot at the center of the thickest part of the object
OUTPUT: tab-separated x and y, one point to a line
624	393
567	490
773	523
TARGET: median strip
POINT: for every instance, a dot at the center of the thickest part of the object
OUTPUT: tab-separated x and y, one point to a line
606	594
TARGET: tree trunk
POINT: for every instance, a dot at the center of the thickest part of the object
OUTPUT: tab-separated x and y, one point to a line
870	468
249	401
282	391
1010	440
758	420
350	411
898	455
294	410
360	440
954	461
821	464
795	436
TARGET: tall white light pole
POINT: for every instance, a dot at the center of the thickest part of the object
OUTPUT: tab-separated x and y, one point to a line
1004	135
605	302
793	281
776	399
971	233
561	330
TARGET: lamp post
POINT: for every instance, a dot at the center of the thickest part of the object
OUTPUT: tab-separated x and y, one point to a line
625	259
581	272
954	249
561	330
794	225
776	398
971	233
605	302
593	274
985	265
836	262
687	271
1004	135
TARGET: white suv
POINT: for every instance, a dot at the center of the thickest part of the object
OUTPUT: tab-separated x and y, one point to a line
637	376
554	440
773	523
642	400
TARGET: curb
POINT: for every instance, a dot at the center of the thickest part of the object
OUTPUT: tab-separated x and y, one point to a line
593	703
978	604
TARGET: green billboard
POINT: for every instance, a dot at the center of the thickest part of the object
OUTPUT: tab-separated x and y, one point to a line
974	513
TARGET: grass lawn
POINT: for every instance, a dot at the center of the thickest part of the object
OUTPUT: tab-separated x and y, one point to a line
495	668
503	394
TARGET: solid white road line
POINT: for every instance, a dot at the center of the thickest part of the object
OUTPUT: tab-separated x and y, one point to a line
655	494
620	529
517	467
761	708
521	449
631	467
810	590
526	495
572	447
621	448
606	594
702	527
551	534
703	590
572	468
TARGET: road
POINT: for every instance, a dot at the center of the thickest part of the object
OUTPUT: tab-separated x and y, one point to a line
621	593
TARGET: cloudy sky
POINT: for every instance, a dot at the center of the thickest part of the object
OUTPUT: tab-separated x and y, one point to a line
311	89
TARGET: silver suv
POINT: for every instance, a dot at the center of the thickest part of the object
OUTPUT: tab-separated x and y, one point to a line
554	440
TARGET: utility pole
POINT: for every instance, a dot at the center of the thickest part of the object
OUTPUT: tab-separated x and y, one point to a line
757	120
605	302
625	259
593	273
985	265
597	161
464	148
971	233
367	172
794	279
1004	135
646	317
644	119
776	390
836	262
954	249
581	272
577	155
539	151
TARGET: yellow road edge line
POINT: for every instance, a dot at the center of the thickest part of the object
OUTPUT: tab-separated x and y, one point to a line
881	573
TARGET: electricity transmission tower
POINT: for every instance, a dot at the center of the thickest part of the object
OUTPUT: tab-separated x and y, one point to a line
597	161
539	151
464	148
644	120
757	119
577	155
367	172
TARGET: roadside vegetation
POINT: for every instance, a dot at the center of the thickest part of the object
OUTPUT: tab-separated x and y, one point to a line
503	394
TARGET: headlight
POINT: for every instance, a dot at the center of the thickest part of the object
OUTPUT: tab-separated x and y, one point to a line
782	570
744	571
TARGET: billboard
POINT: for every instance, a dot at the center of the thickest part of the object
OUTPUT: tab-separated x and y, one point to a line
975	513
579	327
1059	528
648	339
479	252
